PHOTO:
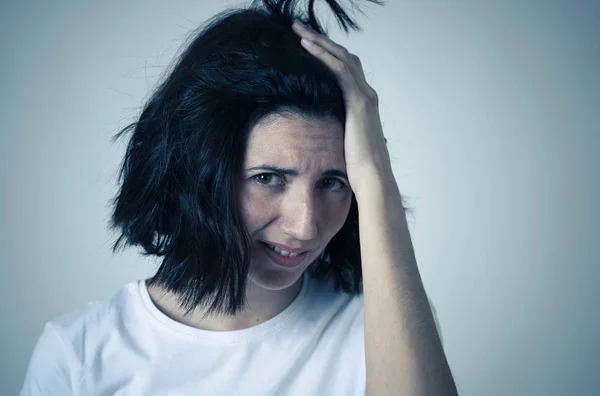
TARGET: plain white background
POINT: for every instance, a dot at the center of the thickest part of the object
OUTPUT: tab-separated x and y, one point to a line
491	111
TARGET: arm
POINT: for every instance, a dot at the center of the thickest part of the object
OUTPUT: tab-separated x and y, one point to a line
404	354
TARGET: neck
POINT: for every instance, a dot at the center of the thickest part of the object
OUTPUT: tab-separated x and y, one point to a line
261	305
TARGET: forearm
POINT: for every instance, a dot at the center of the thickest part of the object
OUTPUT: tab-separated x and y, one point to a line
404	354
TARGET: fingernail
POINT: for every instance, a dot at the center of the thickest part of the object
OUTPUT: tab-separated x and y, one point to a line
298	25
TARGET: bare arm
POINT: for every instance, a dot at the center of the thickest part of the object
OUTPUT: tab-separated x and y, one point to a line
404	354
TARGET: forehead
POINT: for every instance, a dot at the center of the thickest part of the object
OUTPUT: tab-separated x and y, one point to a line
278	137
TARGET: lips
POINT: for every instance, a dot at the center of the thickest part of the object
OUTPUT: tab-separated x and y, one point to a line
283	261
287	249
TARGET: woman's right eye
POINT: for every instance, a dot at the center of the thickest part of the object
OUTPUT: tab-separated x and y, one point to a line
264	178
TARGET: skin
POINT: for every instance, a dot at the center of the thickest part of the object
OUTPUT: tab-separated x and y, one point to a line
403	352
304	211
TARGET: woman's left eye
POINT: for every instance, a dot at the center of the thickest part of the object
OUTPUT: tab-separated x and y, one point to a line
341	185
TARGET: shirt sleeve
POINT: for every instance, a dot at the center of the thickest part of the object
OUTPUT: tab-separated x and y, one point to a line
50	370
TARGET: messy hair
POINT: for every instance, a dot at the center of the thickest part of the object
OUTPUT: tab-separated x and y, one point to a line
177	193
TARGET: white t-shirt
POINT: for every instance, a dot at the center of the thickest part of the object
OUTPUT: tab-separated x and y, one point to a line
124	345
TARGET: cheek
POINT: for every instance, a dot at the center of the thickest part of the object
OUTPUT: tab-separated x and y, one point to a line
255	210
337	214
258	209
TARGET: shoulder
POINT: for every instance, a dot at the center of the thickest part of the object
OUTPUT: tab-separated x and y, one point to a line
95	316
86	329
57	360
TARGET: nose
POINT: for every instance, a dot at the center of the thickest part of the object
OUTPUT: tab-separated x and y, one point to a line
300	216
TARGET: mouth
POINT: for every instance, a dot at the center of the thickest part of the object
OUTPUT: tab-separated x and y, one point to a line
283	260
282	251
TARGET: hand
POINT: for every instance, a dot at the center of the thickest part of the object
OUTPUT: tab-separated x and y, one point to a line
364	144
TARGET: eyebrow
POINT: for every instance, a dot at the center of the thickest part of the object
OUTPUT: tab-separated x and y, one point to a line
293	172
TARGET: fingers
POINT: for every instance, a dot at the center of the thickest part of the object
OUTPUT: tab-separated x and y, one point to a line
322	41
340	68
345	65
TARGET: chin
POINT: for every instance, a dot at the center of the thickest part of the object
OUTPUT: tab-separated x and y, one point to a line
273	279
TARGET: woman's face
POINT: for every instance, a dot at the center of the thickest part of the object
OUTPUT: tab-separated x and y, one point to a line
303	210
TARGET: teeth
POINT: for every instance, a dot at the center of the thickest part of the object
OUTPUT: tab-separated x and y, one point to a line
283	252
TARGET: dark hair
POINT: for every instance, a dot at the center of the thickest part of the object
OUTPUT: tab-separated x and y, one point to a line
178	177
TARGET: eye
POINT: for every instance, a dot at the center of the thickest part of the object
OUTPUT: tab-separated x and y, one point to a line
264	178
341	184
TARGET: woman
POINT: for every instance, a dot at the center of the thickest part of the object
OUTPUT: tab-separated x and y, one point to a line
251	172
